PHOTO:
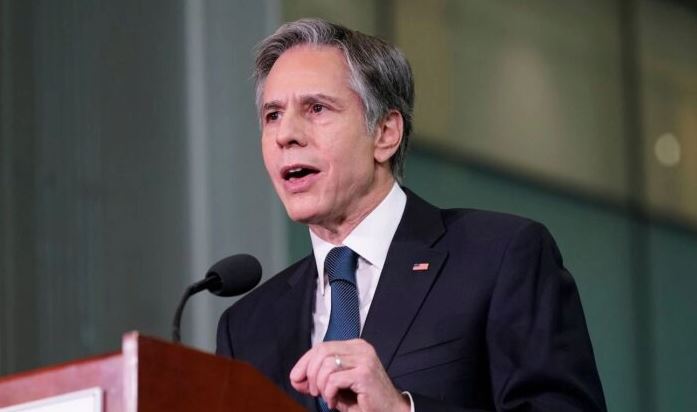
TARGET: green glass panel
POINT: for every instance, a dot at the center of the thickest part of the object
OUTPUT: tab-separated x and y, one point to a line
673	260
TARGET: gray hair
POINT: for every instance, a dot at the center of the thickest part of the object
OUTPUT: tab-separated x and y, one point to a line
379	72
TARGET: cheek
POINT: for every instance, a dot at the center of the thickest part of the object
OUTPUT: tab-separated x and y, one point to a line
360	156
355	168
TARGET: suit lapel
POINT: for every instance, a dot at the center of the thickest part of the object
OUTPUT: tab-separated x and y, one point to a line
293	318
401	289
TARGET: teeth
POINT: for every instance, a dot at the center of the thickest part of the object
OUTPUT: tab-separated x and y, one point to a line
294	173
298	172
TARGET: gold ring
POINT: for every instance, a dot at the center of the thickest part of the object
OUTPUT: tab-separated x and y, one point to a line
337	361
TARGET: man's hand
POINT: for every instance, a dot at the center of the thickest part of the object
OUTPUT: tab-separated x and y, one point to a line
349	376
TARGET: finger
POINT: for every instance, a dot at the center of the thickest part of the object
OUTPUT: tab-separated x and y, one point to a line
301	386
299	371
317	360
303	375
338	381
330	365
325	358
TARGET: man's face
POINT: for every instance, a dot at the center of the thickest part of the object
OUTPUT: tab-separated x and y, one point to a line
314	140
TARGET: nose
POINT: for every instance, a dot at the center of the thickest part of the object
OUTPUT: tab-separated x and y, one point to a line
291	130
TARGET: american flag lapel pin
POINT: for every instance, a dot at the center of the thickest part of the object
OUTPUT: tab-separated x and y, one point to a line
420	267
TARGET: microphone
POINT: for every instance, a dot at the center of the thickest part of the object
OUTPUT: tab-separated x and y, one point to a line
231	276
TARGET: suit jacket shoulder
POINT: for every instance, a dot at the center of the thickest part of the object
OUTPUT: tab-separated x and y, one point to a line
494	323
252	310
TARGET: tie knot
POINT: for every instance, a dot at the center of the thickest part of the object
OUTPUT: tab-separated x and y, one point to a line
340	264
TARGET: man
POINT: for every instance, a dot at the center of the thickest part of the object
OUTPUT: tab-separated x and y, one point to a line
401	306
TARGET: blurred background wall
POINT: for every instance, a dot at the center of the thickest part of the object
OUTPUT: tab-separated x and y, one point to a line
129	161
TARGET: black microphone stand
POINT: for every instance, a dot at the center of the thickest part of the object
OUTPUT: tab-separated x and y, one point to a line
210	282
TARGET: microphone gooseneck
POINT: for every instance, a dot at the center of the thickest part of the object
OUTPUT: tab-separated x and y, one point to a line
231	276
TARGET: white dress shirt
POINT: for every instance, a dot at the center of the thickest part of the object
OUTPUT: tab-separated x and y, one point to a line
370	240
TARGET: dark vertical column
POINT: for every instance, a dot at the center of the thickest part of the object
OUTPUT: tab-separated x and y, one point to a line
639	232
19	337
68	167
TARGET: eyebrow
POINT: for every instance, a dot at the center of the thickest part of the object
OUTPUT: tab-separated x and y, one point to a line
312	98
304	99
272	105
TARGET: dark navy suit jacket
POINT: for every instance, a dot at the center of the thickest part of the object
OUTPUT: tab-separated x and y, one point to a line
495	323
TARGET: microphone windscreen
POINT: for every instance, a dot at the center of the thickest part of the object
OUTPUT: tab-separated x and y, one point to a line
237	274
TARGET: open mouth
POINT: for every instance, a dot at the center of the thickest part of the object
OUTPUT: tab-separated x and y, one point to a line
297	172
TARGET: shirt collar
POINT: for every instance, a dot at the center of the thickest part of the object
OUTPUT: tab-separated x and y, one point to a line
371	238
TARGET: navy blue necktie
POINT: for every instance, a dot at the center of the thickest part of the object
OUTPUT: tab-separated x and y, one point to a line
344	318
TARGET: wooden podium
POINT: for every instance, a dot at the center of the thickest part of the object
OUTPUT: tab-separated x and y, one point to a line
151	375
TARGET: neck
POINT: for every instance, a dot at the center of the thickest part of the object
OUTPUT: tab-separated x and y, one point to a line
335	232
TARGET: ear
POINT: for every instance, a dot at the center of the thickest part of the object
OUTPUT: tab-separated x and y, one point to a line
388	136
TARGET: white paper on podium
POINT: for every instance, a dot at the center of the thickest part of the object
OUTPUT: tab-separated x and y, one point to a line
87	400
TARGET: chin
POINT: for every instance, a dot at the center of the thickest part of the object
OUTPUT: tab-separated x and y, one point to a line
301	214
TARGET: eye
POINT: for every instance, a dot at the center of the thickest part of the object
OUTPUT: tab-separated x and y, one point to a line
271	116
317	108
